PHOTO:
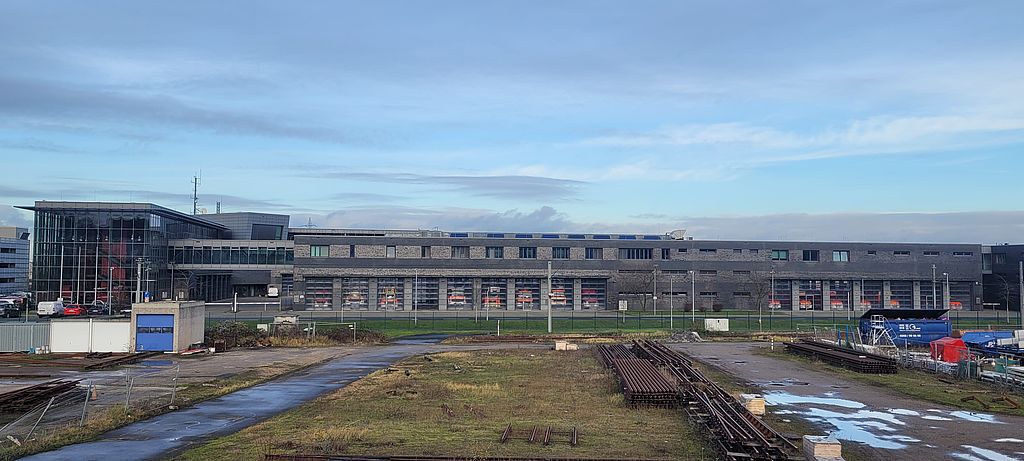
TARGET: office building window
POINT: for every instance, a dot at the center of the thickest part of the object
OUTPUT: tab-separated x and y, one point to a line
780	255
999	258
901	253
811	255
527	252
709	250
963	253
872	252
931	253
460	252
754	251
707	272
666	253
494	252
351	251
594	253
560	252
319	251
741	294
634	253
841	256
681	250
424	251
741	272
390	252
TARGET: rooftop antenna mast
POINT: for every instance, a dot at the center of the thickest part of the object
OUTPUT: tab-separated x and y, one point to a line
309	224
195	193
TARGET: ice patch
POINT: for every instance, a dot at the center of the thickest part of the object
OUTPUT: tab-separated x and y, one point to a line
936	418
982	454
900	411
785	398
975	417
1009	440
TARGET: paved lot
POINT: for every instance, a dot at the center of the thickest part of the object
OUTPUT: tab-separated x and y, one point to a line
891	425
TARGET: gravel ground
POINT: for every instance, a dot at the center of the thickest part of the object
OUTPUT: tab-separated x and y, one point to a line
889	425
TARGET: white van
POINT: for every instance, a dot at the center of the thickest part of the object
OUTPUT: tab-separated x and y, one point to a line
50	309
272	292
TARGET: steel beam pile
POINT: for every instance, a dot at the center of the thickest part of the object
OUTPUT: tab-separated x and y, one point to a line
739	434
644	385
847	358
27	398
617	351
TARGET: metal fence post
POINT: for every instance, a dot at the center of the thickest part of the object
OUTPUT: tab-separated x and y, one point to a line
85	405
29	436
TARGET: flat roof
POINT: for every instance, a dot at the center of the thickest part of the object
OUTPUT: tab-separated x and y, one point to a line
44	205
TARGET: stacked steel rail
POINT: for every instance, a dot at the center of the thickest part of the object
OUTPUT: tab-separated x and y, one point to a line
739	434
860	362
639	380
29	397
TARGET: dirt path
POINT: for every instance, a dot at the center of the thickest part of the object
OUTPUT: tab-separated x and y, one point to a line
892	426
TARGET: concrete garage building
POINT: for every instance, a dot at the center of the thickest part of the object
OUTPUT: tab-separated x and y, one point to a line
167	326
212	257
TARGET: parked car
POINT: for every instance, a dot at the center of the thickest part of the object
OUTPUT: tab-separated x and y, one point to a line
72	310
126	311
9	309
50	309
96	308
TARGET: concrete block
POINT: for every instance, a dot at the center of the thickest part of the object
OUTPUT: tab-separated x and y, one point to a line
822	448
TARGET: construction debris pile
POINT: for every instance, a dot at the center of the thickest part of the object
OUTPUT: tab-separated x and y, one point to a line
27	398
861	362
739	434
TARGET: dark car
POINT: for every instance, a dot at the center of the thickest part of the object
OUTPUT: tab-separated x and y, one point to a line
72	310
96	308
9	310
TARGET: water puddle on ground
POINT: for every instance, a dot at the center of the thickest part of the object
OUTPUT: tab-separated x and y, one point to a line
981	454
853	421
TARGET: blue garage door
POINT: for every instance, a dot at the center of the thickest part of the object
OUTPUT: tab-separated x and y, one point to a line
154	332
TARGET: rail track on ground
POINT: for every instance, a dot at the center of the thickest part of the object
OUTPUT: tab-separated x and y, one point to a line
738	434
850	359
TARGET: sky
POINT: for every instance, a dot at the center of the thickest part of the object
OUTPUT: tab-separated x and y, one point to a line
802	120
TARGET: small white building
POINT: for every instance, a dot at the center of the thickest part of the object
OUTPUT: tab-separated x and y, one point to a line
167	326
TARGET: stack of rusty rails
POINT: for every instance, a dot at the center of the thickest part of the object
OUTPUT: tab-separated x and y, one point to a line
846	358
739	434
318	457
27	398
113	361
537	434
658	353
643	385
617	351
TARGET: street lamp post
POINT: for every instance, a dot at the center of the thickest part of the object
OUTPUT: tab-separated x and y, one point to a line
415	294
110	281
945	296
671	300
549	297
935	303
693	300
655	296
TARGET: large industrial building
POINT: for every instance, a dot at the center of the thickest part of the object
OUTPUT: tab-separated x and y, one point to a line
121	251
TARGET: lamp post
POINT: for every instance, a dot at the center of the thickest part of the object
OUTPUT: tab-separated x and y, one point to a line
945	296
671	300
549	297
415	294
110	281
655	296
934	298
693	300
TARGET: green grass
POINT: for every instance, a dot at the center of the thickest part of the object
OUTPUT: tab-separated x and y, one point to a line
391	412
115	417
920	385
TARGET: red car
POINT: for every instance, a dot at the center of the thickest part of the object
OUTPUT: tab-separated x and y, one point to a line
73	310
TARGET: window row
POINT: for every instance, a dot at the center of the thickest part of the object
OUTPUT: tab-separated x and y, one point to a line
229	255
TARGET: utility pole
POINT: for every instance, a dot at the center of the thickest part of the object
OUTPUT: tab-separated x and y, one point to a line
945	295
934	299
1020	293
415	294
549	297
110	281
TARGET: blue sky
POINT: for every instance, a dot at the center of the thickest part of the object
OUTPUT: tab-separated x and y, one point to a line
887	120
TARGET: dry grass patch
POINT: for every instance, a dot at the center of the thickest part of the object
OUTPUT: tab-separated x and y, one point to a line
399	411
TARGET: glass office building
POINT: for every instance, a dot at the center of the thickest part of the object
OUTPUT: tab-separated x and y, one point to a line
87	251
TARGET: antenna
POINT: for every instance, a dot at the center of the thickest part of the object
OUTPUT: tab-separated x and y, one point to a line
309	224
196	180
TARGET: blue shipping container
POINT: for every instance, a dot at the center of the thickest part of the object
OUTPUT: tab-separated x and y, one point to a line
984	338
909	327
